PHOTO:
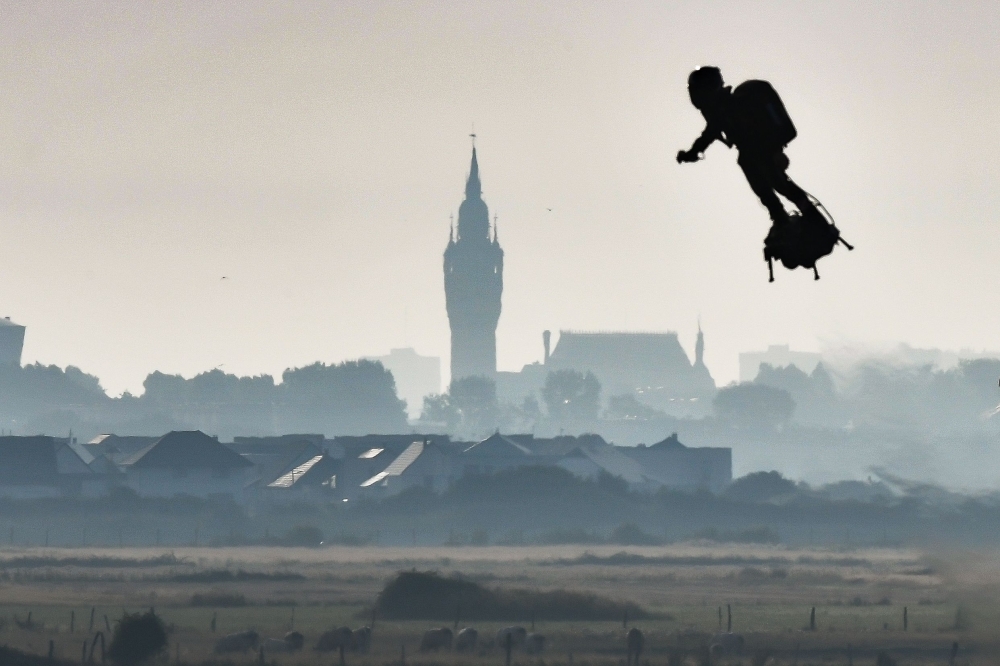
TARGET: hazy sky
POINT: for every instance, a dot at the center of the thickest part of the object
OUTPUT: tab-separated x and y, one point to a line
313	152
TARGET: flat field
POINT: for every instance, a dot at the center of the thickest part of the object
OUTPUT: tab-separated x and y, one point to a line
860	598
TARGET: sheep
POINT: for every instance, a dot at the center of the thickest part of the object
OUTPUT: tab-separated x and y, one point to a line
435	639
466	640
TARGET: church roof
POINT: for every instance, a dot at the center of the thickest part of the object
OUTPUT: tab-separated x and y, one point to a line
623	360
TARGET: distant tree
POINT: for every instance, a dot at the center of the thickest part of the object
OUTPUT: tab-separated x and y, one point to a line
626	407
138	637
816	399
350	398
571	396
753	406
475	400
438	410
759	487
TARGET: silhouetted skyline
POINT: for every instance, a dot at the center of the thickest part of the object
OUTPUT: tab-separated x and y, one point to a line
310	153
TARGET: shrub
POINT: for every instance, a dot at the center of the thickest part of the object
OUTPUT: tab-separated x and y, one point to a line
417	595
137	638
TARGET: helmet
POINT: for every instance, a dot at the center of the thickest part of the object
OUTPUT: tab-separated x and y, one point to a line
703	84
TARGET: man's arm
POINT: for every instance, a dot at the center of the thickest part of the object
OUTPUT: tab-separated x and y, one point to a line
700	145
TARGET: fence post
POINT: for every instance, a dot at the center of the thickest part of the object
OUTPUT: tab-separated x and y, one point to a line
72	621
507	645
729	619
905	619
90	629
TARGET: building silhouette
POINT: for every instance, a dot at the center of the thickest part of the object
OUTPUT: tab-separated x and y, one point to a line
473	284
11	342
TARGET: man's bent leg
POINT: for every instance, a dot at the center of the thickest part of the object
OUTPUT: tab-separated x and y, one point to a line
756	172
787	188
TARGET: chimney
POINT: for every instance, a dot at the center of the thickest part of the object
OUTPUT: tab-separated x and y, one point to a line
546	339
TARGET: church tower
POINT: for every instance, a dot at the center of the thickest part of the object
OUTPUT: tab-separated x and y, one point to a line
473	283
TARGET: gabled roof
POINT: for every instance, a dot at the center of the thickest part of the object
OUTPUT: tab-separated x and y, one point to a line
671	442
186	449
81	450
71	459
28	460
497	445
399	465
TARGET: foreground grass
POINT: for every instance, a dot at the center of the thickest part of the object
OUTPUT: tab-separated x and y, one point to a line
859	598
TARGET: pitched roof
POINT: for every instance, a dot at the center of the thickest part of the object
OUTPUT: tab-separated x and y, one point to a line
613	462
497	445
399	465
186	449
318	470
671	442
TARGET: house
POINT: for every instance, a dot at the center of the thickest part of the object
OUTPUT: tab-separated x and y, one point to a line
589	462
495	453
78	475
28	468
310	480
684	468
187	463
425	463
117	448
273	456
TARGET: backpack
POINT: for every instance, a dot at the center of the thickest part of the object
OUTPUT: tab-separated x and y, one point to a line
760	116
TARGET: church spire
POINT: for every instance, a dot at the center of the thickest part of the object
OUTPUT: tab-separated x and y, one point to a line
473	188
699	347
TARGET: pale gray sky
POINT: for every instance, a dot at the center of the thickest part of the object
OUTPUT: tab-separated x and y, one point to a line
312	153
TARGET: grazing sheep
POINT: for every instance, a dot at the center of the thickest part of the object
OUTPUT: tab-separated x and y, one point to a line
634	641
517	636
466	640
726	644
238	642
335	639
435	639
295	640
362	639
534	643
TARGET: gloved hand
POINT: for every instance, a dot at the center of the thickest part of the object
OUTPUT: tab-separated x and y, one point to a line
687	156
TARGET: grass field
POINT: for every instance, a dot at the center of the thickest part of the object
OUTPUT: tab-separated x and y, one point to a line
859	596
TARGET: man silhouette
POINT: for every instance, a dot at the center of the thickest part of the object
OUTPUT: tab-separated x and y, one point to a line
753	119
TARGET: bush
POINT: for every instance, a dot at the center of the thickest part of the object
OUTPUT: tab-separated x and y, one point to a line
417	595
137	638
759	487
